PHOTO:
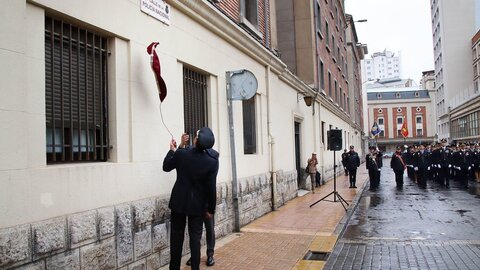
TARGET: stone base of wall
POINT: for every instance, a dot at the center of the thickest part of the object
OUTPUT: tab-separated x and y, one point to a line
133	235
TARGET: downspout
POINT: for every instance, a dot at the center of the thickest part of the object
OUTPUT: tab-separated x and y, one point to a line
271	143
271	139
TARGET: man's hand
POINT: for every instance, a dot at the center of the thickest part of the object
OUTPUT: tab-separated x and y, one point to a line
184	140
173	145
208	215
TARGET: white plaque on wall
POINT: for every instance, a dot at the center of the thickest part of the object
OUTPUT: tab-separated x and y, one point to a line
157	9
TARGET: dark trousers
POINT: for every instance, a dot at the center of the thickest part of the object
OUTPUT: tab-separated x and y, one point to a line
399	178
463	176
422	177
352	176
210	235
373	176
444	176
177	235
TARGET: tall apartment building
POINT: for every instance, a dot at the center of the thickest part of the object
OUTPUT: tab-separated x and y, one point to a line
453	26
383	65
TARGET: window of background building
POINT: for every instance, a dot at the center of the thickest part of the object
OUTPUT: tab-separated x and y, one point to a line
323	133
419	119
419	132
322	76
194	101
76	105
250	11
319	18
327	41
249	127
400	120
336	92
329	84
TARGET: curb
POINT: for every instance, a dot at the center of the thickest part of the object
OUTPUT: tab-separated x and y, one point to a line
342	225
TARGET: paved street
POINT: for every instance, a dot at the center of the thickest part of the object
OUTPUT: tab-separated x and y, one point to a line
436	228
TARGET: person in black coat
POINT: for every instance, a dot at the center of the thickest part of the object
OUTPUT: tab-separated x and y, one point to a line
421	165
352	163
372	167
193	195
398	166
463	163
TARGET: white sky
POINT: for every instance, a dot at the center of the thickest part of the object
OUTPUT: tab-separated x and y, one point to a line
396	25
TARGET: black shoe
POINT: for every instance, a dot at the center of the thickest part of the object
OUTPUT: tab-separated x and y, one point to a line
354	186
189	262
210	261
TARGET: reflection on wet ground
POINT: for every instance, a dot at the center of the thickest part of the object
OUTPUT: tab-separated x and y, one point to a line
434	213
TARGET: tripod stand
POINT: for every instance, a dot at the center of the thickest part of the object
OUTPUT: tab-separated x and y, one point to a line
334	192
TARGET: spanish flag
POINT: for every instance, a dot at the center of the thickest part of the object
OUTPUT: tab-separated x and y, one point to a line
404	129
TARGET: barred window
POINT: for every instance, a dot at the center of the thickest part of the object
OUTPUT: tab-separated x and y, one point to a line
249	126
75	93
194	101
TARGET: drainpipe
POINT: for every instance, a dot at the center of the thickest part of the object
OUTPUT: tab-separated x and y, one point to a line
271	143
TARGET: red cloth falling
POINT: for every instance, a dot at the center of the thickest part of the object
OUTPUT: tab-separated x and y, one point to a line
155	63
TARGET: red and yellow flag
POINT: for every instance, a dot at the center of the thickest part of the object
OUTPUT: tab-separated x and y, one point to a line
404	129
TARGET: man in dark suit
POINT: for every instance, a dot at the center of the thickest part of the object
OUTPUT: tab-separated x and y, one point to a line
421	165
193	194
352	163
398	166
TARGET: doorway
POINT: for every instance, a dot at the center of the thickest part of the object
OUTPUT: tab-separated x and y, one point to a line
298	164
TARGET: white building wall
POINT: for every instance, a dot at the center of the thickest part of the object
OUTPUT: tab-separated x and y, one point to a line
32	190
383	65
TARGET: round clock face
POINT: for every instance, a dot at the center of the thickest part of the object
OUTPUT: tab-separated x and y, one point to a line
243	85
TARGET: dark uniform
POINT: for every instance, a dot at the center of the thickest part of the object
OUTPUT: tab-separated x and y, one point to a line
352	163
408	158
193	194
463	163
443	160
421	163
372	168
476	163
398	166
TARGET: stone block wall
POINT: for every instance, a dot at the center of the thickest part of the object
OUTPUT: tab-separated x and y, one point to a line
133	235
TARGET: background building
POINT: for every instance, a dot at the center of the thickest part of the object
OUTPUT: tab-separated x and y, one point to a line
453	26
465	108
383	65
390	107
81	159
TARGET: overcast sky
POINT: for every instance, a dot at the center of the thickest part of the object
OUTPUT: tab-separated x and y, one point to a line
396	25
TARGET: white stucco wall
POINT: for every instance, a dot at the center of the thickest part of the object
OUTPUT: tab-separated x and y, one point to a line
31	190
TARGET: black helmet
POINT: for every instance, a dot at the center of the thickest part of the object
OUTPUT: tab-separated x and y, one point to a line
206	139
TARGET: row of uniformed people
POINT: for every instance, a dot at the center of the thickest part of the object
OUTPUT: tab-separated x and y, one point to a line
442	162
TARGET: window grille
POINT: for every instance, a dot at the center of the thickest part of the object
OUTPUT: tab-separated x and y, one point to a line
75	94
194	101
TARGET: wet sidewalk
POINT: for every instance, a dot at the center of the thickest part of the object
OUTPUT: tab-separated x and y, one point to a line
281	239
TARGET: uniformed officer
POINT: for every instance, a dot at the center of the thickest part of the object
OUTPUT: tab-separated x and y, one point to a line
372	167
442	160
463	165
421	166
476	162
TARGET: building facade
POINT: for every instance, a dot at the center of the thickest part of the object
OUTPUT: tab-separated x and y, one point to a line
391	107
453	25
465	110
383	65
81	163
